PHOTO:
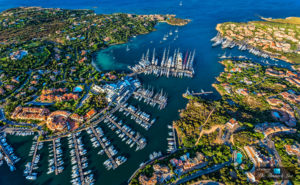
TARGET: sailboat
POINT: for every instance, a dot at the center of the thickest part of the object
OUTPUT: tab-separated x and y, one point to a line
127	48
180	4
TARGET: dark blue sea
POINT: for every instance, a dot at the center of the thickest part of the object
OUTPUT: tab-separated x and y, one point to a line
205	14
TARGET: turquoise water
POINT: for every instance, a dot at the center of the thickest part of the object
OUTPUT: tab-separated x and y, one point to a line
77	89
196	35
239	158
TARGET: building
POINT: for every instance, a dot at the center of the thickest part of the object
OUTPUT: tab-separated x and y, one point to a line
30	113
63	120
232	123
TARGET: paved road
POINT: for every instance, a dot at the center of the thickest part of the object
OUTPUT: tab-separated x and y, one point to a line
201	172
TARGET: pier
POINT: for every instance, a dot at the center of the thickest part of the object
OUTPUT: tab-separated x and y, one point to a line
159	98
176	65
134	139
137	116
34	156
55	158
105	149
6	154
78	158
105	115
188	93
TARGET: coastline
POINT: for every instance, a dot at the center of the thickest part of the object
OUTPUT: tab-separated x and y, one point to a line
249	47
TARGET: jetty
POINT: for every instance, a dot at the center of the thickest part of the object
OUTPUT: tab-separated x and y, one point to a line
159	98
188	93
139	142
175	65
143	117
78	158
55	157
104	148
9	160
33	157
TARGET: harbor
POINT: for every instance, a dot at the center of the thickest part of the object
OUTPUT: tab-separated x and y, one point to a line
79	162
176	65
229	43
160	99
55	162
7	153
138	139
140	117
33	165
110	163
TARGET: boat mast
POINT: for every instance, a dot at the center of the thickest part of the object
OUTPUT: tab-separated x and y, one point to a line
153	57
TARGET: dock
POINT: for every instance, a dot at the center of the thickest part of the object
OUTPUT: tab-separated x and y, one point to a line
105	115
6	154
134	139
55	158
137	116
78	158
34	156
176	65
188	93
159	98
104	148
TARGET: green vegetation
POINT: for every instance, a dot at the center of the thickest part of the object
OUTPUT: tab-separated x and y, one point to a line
288	20
277	37
52	48
214	155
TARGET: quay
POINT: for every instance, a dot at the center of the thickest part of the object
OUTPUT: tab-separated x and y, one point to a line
104	148
55	157
78	158
134	139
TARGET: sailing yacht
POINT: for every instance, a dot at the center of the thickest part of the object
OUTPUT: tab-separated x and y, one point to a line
180	4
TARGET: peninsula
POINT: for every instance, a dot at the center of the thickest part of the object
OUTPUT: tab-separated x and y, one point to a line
273	38
254	125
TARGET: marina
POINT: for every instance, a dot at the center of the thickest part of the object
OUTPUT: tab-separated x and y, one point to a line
33	165
7	153
229	43
79	161
172	146
55	163
137	139
159	99
140	117
110	163
176	65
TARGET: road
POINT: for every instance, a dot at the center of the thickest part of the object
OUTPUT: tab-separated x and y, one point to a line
204	124
201	172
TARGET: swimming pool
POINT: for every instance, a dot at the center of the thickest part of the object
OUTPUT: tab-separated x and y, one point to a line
78	89
239	157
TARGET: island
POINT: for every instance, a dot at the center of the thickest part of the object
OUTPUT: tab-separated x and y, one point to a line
50	87
272	38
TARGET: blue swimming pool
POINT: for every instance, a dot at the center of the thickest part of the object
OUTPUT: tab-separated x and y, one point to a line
78	89
239	157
